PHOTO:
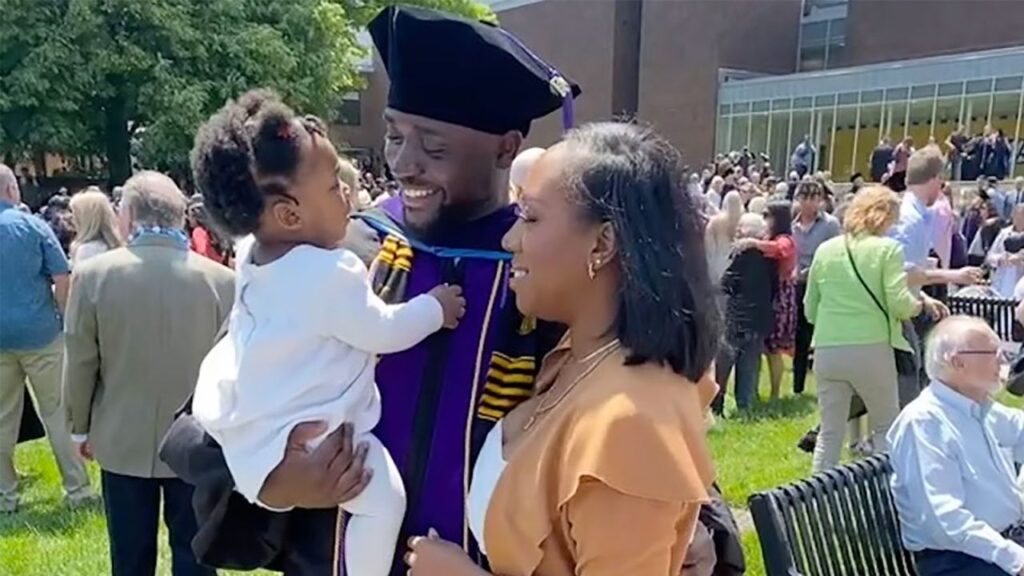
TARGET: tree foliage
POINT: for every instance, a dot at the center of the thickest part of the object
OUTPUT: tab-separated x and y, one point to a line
114	78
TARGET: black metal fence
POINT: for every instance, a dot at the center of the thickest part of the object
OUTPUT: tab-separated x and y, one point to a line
841	522
997	312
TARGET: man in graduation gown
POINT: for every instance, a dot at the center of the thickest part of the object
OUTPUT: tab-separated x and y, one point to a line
462	97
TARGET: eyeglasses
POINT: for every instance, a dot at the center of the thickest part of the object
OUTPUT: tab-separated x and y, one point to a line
997	354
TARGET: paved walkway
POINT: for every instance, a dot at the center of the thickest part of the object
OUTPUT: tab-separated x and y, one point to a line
743	519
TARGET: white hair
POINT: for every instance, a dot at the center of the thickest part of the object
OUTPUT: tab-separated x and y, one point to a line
946	339
522	165
757	205
732	204
9	185
751	226
781	189
153	199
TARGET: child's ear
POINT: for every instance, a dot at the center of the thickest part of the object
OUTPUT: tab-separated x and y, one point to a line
286	215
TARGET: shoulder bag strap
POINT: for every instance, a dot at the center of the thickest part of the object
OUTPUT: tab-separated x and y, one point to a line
849	255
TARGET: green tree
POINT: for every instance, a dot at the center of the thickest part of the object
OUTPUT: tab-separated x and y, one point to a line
122	78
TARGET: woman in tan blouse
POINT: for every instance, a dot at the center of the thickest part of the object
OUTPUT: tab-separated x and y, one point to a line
602	472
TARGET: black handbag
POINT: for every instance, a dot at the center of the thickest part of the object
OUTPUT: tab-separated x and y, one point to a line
30	428
906	364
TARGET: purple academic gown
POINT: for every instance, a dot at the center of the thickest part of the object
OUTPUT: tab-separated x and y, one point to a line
431	394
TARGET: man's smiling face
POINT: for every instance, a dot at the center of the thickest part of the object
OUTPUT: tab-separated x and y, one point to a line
447	172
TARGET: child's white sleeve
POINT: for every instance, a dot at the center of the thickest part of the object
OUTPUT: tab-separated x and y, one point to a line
358	317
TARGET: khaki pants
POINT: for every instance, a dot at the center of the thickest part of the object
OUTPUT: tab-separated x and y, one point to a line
840	371
43	368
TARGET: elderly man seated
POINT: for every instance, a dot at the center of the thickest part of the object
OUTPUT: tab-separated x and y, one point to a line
953	451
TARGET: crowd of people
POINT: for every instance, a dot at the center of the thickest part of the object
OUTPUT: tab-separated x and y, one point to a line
493	361
871	270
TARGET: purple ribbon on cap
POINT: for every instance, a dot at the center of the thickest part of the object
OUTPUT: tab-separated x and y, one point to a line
559	85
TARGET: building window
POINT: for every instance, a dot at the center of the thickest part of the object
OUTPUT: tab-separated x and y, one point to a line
350	110
822	43
846	127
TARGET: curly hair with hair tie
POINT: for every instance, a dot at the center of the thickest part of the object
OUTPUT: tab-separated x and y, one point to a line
248	151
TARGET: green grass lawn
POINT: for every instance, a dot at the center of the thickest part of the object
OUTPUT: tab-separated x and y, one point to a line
757	451
45	537
752	453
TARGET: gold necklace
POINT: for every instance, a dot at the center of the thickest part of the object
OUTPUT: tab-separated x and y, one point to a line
594	358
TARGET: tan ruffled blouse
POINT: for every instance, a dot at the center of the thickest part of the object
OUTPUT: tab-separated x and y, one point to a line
610	481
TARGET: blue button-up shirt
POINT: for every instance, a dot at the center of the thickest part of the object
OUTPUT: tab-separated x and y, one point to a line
30	256
953	475
809	239
913	231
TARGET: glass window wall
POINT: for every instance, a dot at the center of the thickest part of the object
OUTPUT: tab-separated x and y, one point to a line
846	127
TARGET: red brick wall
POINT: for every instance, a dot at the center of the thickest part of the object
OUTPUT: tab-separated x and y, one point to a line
577	38
685	42
660	61
370	132
885	30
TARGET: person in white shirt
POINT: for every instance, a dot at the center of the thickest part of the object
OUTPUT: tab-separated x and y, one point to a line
1015	196
719	233
306	326
1007	258
714	192
95	225
953	451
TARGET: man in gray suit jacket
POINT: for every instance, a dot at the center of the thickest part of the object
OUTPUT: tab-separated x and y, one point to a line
140	320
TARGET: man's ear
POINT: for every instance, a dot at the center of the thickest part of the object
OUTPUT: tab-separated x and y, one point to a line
508	146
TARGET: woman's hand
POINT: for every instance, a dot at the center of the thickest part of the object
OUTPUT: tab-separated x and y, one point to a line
935	308
322	478
431	556
743	244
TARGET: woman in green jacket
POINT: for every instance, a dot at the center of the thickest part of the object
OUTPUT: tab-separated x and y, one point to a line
855	330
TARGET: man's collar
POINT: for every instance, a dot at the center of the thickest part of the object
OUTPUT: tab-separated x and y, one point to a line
918	204
154	240
818	217
958	401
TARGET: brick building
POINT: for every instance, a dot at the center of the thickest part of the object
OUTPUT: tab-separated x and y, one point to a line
715	75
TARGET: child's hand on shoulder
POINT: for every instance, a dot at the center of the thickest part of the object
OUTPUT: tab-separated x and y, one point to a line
452	303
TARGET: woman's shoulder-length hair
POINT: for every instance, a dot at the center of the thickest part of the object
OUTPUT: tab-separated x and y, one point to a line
634	179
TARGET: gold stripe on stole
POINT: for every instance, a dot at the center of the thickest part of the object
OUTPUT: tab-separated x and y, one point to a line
339	540
509	383
505	362
498	275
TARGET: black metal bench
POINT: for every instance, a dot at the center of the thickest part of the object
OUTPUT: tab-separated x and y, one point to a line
997	312
841	522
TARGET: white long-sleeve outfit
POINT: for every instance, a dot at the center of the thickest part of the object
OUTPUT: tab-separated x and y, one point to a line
1005	277
301	347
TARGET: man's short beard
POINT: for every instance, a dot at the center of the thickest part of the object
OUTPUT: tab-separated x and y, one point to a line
449	216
